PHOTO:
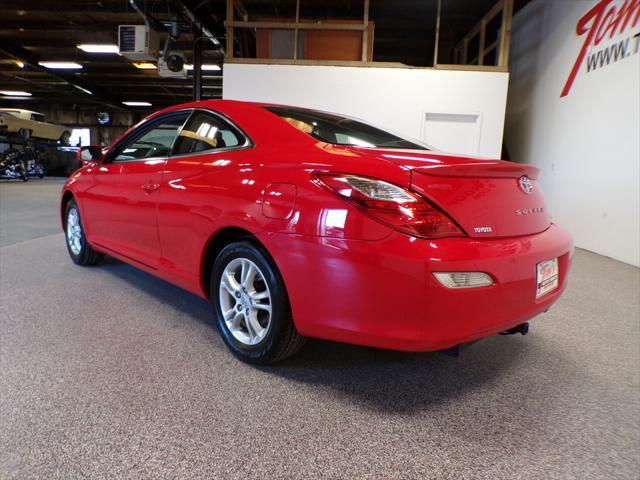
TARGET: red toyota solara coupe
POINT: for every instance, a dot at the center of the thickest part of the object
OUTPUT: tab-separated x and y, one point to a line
297	223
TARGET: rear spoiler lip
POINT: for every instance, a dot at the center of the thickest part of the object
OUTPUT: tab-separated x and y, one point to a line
483	169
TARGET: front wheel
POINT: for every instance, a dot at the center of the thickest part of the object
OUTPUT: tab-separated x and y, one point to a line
251	305
79	249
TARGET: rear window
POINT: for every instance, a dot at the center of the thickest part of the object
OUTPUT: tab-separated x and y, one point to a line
340	130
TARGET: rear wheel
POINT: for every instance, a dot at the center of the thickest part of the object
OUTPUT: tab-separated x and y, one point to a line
64	138
79	249
251	305
25	134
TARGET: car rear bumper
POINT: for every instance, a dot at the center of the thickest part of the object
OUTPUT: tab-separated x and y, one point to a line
383	293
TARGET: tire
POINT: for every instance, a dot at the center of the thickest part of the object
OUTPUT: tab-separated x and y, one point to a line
270	335
79	249
24	175
25	134
64	139
40	170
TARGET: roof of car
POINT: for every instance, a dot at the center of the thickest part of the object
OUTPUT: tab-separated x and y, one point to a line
18	110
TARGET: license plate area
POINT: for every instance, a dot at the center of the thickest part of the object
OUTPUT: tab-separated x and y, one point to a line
547	275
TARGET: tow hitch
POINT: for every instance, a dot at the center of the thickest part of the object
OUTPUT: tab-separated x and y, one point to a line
523	328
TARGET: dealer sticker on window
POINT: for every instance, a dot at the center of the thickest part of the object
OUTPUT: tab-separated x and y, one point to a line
546	277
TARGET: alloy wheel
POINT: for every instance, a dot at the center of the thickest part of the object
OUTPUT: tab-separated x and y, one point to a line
245	301
74	231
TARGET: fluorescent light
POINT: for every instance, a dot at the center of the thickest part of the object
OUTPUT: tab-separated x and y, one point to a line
15	93
145	65
206	66
83	89
98	48
61	65
137	104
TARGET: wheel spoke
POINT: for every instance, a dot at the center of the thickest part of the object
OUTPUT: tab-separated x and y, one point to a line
253	327
259	295
231	282
247	275
235	322
227	287
262	306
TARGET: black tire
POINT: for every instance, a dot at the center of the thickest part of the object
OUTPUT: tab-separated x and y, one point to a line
281	340
85	255
40	170
64	139
25	134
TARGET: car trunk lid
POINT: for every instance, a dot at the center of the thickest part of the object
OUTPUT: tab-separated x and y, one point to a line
487	198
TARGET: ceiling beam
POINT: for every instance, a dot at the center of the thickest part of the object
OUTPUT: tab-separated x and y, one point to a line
16	51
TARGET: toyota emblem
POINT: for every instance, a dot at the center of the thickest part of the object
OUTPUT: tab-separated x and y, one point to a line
525	184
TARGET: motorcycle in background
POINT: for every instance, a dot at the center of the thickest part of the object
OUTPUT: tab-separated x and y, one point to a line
21	164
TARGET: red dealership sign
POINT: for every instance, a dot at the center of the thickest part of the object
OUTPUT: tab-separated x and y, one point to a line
607	19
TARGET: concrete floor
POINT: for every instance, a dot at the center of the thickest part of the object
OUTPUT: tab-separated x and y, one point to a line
107	372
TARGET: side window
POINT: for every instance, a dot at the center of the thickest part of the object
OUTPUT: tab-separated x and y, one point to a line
38	117
204	132
155	141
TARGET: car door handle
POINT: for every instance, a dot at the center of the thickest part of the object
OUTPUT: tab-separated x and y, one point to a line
150	187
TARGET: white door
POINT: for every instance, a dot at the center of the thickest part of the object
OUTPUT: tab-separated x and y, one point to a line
453	132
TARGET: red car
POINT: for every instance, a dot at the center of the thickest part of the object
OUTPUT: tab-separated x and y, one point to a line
296	223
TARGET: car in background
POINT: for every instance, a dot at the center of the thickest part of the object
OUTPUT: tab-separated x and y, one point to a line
297	223
27	124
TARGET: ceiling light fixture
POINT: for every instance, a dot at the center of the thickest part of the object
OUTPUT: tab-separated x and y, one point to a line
15	93
137	104
206	66
98	48
145	65
60	65
82	89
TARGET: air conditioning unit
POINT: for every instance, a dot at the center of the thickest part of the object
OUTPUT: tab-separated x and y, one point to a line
138	42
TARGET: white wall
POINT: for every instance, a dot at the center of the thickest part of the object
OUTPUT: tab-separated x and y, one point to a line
587	143
456	111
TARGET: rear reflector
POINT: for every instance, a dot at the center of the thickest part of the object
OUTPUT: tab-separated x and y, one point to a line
463	279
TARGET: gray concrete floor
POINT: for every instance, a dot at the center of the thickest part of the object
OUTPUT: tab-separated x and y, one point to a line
107	373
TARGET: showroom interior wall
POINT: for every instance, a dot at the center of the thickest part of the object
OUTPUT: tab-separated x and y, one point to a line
458	111
584	134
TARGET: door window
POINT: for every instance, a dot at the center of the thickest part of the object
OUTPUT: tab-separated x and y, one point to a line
205	131
155	141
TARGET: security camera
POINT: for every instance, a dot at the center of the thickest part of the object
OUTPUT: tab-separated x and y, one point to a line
175	63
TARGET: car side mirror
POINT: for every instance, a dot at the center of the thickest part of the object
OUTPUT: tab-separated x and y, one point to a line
90	154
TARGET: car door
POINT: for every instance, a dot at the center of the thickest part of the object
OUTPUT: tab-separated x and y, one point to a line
198	185
120	209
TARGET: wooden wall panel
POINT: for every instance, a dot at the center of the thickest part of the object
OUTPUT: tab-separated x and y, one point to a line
340	45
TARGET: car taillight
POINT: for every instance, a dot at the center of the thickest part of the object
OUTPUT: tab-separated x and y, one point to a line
397	207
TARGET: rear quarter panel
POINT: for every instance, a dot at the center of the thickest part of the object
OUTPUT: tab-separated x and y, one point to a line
203	194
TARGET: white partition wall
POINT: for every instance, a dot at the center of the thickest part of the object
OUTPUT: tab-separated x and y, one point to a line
574	111
456	111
